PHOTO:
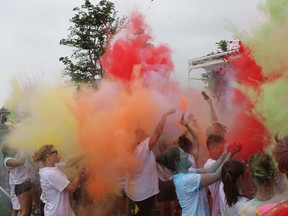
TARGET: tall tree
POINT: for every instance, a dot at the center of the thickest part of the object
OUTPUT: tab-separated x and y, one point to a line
92	27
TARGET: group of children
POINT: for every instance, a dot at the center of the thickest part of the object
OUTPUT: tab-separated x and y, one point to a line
172	176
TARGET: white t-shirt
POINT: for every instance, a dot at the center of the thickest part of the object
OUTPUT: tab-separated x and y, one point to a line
192	198
14	199
19	174
214	190
250	207
56	199
234	209
143	183
193	163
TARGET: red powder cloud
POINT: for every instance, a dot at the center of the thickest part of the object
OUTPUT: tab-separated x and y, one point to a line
135	48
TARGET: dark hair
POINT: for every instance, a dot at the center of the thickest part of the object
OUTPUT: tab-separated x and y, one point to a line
262	168
169	158
280	151
213	140
184	143
231	171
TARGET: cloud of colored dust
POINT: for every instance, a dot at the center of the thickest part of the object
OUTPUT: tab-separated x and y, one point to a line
100	123
43	116
261	74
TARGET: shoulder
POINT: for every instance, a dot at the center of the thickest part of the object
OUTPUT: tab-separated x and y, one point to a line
47	170
248	207
144	145
187	177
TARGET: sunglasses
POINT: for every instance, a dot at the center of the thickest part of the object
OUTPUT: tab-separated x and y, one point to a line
53	152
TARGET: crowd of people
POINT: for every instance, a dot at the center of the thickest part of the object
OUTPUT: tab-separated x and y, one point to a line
170	178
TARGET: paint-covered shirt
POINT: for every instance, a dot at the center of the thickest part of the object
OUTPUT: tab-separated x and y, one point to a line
192	198
143	182
250	208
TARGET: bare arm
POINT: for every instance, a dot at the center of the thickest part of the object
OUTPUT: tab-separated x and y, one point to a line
213	114
15	162
212	169
195	150
72	186
159	129
72	162
215	170
209	178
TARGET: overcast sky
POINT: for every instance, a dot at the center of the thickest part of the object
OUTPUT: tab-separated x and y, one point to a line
31	31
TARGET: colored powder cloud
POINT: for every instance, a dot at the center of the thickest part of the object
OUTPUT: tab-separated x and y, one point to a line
100	123
43	116
261	73
135	47
268	41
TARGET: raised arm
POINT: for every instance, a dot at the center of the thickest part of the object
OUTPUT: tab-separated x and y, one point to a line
15	162
159	129
188	127
72	186
213	173
195	150
213	114
73	161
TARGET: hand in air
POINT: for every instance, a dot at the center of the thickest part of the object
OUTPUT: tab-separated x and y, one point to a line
183	121
191	118
169	112
234	148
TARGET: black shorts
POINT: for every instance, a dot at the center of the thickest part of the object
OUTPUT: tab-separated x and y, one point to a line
23	187
167	191
142	208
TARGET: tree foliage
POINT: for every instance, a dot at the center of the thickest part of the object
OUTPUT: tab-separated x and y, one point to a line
93	25
222	46
215	80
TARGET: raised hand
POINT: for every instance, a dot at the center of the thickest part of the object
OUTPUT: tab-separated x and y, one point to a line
234	148
183	121
169	112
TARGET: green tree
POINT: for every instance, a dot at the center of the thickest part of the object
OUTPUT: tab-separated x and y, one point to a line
222	46
93	26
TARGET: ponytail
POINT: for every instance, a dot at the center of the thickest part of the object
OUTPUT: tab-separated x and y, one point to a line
231	172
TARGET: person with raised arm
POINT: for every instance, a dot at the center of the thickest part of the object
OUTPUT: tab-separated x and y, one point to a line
19	179
141	185
216	127
190	147
189	184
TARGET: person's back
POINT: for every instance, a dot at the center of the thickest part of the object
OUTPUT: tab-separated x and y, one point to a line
263	173
190	194
250	208
232	199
